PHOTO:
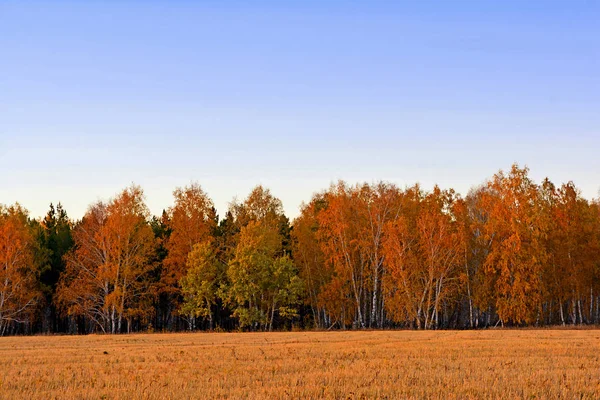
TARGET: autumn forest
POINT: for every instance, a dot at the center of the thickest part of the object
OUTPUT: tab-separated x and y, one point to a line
512	252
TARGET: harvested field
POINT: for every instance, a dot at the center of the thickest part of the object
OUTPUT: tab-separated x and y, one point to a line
375	364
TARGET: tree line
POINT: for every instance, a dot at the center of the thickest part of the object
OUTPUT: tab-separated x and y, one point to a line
510	253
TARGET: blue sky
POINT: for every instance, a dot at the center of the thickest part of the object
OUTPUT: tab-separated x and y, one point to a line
293	95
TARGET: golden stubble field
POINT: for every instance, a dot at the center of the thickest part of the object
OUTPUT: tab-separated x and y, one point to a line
343	365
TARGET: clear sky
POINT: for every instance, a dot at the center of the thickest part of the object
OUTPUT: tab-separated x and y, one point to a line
96	95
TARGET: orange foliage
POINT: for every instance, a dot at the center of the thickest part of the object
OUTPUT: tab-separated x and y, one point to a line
106	278
192	220
424	251
513	231
19	289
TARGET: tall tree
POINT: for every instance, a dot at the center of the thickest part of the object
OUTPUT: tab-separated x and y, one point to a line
162	299
572	245
351	233
424	252
58	240
191	220
341	225
201	284
19	271
106	277
379	204
310	260
262	282
513	230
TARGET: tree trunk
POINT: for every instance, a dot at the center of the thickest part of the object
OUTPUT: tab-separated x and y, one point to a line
113	321
372	320
591	319
469	289
272	317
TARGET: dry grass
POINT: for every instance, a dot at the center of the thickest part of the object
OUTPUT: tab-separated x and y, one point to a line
447	364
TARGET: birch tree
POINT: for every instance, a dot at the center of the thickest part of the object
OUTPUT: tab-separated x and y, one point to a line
200	286
19	289
513	230
107	273
191	220
424	254
262	282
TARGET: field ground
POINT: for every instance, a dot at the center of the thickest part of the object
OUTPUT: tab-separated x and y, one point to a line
375	364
